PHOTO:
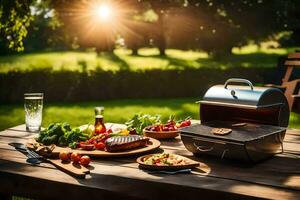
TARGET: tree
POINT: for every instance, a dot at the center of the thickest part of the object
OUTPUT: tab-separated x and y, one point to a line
15	18
161	8
211	25
44	31
240	21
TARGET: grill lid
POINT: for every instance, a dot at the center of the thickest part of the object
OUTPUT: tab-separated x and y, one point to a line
243	96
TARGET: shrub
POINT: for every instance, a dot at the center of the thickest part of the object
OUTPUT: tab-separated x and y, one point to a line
102	85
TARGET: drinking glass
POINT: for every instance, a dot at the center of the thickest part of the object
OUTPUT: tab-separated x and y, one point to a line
33	104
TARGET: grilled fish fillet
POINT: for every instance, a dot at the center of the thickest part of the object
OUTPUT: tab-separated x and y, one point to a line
122	143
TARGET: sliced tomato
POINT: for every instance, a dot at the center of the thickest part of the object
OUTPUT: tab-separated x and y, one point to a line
104	138
82	143
158	160
91	141
77	145
87	147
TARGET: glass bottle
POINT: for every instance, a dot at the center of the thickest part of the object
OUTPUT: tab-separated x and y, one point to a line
99	120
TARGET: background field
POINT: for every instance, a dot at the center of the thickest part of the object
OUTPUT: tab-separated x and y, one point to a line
87	76
115	111
149	59
198	63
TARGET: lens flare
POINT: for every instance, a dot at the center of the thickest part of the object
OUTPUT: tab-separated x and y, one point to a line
103	12
98	23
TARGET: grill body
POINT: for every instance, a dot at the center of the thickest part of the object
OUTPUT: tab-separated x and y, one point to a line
258	118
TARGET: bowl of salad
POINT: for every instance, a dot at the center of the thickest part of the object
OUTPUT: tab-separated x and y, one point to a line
165	131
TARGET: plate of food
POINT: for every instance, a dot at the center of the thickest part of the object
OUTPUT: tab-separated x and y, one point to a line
165	131
166	161
111	143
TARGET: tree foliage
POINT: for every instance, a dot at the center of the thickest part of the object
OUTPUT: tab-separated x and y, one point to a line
15	18
211	25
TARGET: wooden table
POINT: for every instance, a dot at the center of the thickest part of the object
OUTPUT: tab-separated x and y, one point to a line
120	178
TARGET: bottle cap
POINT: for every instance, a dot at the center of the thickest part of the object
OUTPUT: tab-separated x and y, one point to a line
99	110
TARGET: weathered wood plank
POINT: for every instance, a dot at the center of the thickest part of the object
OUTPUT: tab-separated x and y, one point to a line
149	186
38	183
293	131
17	131
179	148
15	156
246	175
278	177
273	176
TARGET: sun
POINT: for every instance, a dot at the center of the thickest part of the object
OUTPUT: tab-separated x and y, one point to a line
103	12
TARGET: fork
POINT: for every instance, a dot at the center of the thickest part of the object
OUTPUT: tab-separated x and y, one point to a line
33	157
34	154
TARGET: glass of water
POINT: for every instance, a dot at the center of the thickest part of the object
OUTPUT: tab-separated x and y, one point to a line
33	104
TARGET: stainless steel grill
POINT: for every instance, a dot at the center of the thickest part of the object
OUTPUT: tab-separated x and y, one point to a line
257	116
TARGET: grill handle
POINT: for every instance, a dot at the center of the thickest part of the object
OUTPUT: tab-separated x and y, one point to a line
203	148
238	80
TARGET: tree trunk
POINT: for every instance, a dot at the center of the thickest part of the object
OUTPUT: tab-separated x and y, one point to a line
160	35
162	51
135	51
110	49
221	53
98	50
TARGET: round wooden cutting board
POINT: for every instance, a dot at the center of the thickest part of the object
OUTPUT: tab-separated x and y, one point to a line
153	144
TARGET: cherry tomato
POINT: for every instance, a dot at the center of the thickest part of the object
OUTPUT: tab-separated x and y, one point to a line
157	128
100	146
75	157
85	160
188	122
165	128
64	155
172	128
152	129
185	123
109	131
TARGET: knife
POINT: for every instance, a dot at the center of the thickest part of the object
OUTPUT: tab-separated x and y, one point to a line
170	172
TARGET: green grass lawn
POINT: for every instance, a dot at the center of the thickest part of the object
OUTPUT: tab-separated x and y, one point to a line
148	59
121	110
115	111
